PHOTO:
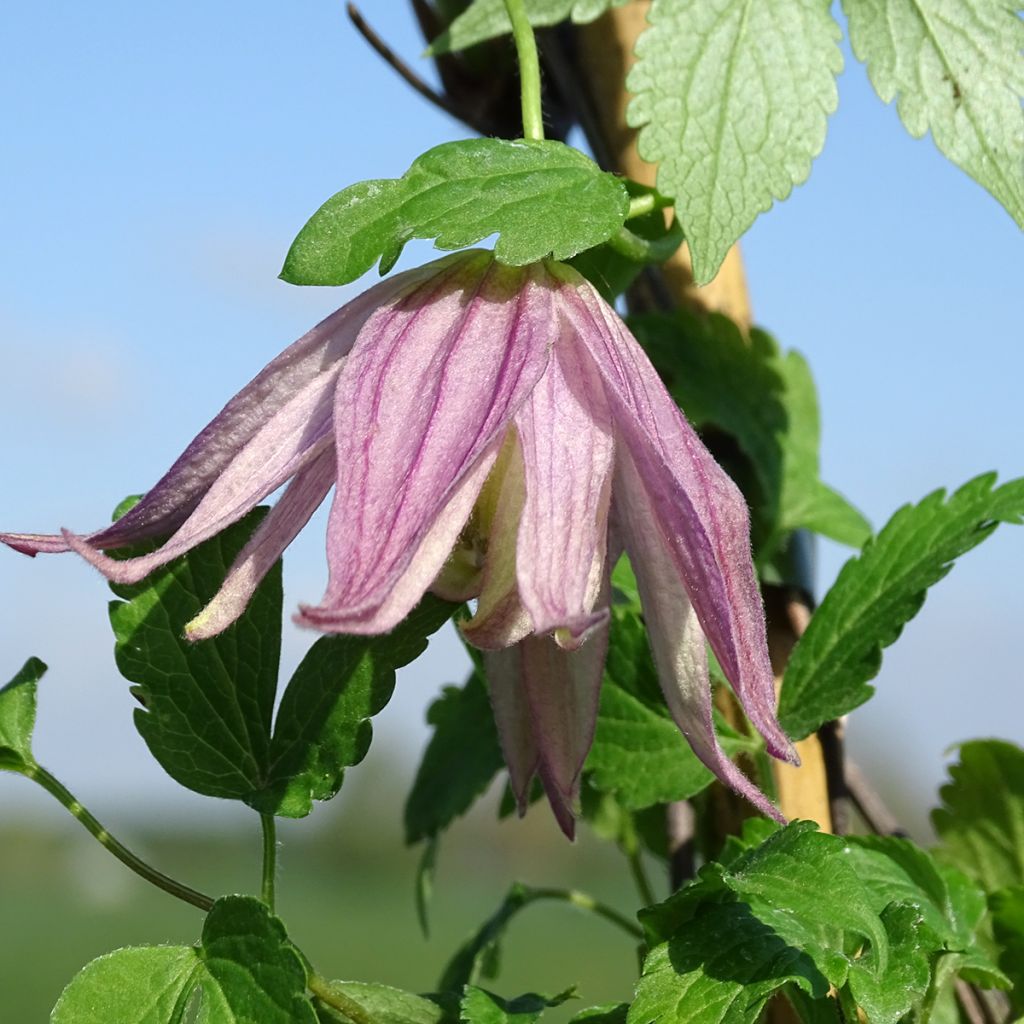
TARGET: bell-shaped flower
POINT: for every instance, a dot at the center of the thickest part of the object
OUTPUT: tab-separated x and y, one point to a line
495	433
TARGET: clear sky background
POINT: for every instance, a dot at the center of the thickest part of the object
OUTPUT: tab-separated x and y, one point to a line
158	159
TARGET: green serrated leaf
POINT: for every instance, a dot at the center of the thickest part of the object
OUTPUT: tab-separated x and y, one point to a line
323	724
609	1013
795	910
143	985
799	883
1008	927
244	969
386	1005
753	832
886	995
485	19
782	882
721	970
207	706
18	716
768	402
482	1007
542	198
879	591
896	871
638	753
955	69
731	99
981	820
251	970
461	759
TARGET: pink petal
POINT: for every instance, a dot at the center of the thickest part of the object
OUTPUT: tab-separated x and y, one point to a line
563	690
699	511
170	502
567	446
512	718
293	436
500	619
677	641
424	565
282	525
429	388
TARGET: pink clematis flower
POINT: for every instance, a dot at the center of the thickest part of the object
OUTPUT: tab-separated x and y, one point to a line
494	433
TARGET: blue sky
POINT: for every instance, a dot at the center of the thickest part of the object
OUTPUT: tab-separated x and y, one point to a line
158	161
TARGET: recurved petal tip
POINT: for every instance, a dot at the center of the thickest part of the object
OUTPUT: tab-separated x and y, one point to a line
33	544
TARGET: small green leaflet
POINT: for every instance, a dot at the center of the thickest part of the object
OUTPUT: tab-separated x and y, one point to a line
386	1005
542	198
485	19
792	910
244	969
879	591
18	716
482	1007
720	970
896	871
461	759
887	996
981	820
949	906
608	1013
805	501
731	100
208	707
955	68
767	401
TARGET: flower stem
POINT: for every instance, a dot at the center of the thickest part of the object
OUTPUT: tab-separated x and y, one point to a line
269	859
585	902
643	884
334	997
529	69
67	800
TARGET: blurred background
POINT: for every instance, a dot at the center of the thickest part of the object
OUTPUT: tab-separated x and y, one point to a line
158	161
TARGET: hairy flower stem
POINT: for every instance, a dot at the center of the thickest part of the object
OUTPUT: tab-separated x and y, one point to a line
269	859
529	70
67	800
338	1000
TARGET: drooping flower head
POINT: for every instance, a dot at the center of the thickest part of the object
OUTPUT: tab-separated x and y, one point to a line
495	433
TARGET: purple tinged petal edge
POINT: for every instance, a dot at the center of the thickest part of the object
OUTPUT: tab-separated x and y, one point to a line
293	510
702	515
675	635
455	360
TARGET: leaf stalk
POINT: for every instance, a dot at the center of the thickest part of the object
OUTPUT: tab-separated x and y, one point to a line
267	890
338	1000
67	800
529	70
